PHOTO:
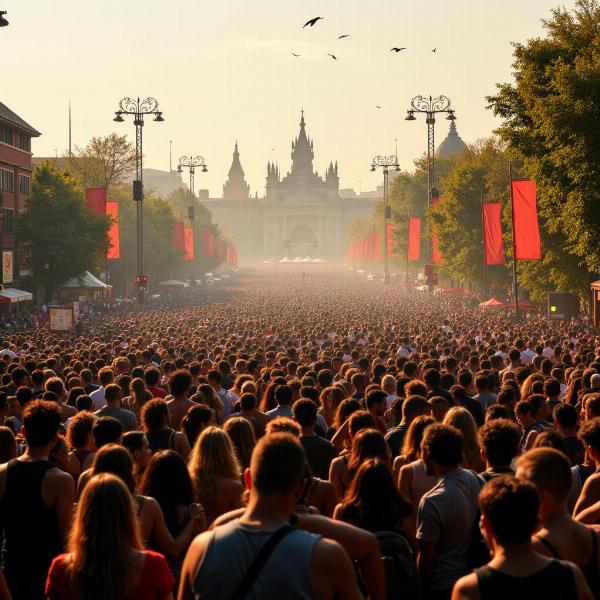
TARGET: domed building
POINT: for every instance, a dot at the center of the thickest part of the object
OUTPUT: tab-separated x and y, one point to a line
453	144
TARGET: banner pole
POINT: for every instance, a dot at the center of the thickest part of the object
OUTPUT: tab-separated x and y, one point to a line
483	244
514	241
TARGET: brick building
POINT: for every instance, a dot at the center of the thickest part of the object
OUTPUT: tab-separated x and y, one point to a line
15	183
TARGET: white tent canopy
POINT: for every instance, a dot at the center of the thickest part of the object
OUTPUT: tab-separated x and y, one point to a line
173	283
86	281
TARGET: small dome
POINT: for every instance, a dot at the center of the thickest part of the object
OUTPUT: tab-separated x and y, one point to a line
453	143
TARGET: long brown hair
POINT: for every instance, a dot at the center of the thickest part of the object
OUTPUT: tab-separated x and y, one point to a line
116	460
213	456
368	443
411	450
241	433
99	560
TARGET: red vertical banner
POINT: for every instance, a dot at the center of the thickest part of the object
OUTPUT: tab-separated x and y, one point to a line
414	238
112	210
492	234
189	243
436	257
211	245
365	248
376	245
390	239
96	200
526	229
179	236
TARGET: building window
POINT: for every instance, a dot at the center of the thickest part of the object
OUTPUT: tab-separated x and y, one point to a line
8	220
7	180
24	185
24	142
6	134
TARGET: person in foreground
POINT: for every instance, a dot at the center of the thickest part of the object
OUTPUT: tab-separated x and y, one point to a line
106	558
509	518
301	565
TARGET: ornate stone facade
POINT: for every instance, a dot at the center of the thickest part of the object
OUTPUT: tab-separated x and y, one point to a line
301	214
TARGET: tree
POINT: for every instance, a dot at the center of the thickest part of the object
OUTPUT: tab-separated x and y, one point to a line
58	232
551	121
457	220
104	162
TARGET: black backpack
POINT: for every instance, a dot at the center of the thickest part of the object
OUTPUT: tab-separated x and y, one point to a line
400	567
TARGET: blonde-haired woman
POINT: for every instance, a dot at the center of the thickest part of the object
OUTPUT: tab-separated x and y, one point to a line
216	473
463	420
241	434
108	562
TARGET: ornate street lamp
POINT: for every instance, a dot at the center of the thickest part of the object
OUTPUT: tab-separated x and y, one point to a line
385	162
139	108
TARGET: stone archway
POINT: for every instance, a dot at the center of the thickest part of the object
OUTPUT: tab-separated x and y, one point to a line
301	242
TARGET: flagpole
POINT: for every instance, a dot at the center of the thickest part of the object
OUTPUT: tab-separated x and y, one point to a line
514	241
483	242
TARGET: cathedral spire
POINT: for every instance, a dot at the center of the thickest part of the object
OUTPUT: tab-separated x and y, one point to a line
302	151
235	187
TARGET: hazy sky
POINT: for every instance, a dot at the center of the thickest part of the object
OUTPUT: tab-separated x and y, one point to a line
223	71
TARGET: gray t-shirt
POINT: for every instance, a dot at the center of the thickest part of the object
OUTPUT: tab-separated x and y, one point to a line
124	416
486	399
446	517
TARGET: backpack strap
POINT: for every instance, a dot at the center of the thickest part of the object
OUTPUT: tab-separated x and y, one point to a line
241	591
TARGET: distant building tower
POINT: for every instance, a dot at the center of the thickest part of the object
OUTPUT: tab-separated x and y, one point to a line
236	188
453	143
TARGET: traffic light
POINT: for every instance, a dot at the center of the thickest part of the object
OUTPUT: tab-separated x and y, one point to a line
141	281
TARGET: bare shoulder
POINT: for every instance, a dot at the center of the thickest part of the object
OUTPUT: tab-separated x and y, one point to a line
329	553
466	588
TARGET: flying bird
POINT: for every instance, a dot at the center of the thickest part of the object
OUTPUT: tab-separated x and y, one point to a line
396	50
341	37
378	106
333	56
311	22
434	50
294	54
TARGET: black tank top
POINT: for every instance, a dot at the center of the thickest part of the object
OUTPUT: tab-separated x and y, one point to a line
31	535
591	570
556	581
161	440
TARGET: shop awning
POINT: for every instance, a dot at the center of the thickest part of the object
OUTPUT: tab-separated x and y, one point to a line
10	295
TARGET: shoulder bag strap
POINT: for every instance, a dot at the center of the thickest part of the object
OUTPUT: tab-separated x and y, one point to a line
241	591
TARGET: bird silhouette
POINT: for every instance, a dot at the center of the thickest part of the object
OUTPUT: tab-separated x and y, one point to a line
434	50
378	106
332	56
294	54
396	50
311	22
341	37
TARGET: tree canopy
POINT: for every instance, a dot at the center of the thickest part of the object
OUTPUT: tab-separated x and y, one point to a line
551	121
60	235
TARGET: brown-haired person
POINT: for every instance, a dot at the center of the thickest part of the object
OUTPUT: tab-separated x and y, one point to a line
509	518
318	494
155	420
589	433
560	536
447	513
301	565
180	384
108	562
36	503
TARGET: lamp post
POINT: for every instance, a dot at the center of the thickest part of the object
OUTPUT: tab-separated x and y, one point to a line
139	108
190	163
430	107
385	162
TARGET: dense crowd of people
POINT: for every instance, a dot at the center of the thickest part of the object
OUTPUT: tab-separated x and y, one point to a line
301	437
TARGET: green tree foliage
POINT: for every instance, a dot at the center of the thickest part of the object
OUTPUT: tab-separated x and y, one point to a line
104	162
457	221
551	121
59	234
